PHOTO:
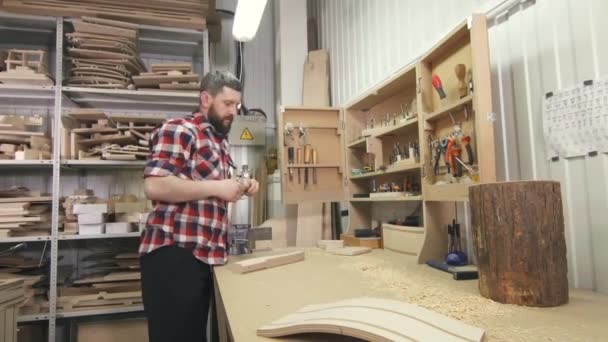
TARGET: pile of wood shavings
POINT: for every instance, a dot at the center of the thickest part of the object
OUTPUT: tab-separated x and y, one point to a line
413	286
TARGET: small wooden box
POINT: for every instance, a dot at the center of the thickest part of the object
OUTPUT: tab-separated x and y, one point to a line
371	242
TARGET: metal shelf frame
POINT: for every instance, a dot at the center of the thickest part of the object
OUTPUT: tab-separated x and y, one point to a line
49	31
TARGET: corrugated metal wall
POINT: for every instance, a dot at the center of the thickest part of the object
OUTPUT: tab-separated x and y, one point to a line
535	47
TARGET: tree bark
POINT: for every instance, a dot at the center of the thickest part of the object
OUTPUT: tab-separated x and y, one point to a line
518	232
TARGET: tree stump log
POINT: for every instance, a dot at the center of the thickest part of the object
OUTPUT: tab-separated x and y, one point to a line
518	233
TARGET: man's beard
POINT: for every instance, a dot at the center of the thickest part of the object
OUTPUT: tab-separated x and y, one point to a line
217	122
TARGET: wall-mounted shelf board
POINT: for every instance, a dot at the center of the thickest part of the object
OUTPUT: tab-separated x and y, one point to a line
359	143
25	239
456	106
310	166
398	129
102	164
96	312
152	100
18	164
26	95
387	199
32	317
389	171
99	236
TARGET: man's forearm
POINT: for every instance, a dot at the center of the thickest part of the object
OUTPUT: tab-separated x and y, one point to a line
172	189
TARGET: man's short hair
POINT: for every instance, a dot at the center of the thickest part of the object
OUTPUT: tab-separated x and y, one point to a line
215	81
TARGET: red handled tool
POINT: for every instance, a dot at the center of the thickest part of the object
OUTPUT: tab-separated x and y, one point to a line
437	85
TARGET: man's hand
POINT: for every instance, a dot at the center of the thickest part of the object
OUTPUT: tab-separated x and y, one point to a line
230	190
253	188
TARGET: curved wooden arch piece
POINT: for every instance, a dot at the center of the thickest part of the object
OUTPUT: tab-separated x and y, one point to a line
373	319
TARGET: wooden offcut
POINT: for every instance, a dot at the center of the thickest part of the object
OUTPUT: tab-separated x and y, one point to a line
265	262
373	319
518	230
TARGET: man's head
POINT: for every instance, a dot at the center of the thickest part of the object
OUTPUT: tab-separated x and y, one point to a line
220	99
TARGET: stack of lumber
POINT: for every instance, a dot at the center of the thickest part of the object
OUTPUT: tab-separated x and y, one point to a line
177	76
95	135
117	285
171	13
103	54
24	213
26	67
11	296
32	272
19	142
34	291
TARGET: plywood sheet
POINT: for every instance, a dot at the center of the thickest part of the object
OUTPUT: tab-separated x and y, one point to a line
373	319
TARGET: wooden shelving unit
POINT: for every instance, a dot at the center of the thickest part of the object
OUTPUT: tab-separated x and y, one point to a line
411	89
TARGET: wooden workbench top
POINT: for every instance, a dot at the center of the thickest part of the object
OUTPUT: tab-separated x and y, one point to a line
253	299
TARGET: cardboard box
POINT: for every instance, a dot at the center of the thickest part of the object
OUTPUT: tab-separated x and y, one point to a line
119	227
91	218
97	208
91	229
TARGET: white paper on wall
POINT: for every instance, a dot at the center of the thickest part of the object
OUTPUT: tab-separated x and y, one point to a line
575	120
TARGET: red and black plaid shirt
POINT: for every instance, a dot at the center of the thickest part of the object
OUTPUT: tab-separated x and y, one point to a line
189	148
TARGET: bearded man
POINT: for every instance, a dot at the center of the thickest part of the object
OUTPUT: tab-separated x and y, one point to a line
188	179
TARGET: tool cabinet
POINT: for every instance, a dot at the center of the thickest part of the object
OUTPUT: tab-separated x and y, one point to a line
356	145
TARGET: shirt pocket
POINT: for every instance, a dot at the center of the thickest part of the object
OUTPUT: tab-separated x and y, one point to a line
207	164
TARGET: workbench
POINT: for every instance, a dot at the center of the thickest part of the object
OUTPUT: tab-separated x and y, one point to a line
248	301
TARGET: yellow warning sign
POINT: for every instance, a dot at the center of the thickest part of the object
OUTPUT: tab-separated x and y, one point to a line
246	135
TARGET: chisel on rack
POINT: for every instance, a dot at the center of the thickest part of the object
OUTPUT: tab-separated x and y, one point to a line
299	162
314	162
307	158
290	162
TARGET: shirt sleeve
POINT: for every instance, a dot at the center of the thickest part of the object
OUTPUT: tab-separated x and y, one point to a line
169	151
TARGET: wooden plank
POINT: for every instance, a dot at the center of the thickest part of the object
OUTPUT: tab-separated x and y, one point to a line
94	130
350	251
315	91
179	86
147	81
142	119
27	199
184	67
108	22
21	133
113	139
11	139
256	264
88	27
373	319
